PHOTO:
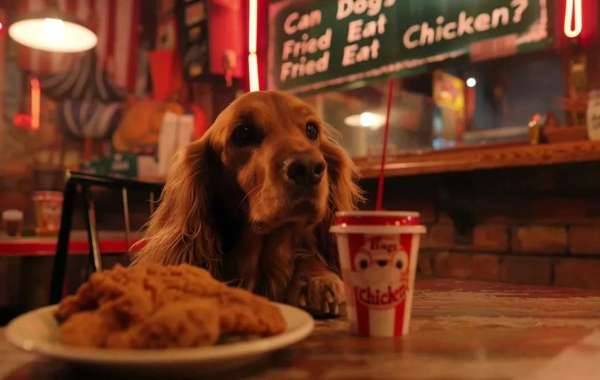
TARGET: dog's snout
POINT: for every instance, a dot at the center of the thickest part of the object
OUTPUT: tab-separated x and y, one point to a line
305	172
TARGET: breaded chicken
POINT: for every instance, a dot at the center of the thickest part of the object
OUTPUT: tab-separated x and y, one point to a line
154	306
178	324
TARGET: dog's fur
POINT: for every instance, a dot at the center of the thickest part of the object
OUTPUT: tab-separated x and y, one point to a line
232	209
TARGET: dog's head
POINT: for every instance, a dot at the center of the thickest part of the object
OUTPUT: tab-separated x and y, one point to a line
279	153
268	161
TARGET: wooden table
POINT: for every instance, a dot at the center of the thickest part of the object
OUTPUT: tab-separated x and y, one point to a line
461	330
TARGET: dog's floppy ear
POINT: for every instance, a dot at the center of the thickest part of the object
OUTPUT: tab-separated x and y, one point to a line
344	193
178	231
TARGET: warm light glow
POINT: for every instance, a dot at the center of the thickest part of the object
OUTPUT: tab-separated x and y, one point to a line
253	77
54	30
368	119
35	104
252	25
365	120
253	72
471	82
53	34
573	18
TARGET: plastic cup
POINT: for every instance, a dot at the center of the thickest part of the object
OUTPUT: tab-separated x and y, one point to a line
378	252
12	221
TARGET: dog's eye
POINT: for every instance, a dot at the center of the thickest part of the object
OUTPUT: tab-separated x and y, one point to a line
312	131
246	135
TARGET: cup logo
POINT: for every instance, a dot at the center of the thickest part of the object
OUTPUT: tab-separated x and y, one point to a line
380	273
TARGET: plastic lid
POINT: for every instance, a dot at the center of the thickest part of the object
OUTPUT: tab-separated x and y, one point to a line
12	215
378	218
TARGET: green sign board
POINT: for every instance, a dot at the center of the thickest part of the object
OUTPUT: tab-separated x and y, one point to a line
319	43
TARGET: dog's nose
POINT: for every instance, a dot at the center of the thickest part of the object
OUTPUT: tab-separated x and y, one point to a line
382	263
305	172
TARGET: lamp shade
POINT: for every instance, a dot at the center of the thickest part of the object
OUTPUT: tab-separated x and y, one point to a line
53	32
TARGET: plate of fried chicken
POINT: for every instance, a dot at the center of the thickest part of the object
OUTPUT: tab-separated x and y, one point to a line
159	318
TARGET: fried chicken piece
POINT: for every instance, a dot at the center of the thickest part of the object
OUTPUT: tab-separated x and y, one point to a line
244	312
156	306
179	324
86	329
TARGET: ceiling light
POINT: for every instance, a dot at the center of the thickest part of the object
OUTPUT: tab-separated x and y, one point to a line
471	82
52	31
365	120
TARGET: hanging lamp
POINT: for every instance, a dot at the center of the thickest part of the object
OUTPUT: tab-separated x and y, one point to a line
53	31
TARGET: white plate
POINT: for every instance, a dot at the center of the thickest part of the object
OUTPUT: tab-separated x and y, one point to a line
37	332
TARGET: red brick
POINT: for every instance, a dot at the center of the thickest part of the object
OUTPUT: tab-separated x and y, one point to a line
440	264
425	207
444	218
513	209
493	238
526	270
486	267
504	210
578	273
539	239
584	240
558	210
438	236
425	263
460	265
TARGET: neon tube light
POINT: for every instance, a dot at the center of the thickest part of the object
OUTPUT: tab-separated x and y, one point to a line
252	58
573	18
35	104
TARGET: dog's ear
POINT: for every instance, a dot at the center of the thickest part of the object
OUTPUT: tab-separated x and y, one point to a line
344	193
178	231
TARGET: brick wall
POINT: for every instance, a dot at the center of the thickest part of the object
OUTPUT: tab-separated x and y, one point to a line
527	225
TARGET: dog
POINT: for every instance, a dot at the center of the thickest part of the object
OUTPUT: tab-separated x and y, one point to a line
253	199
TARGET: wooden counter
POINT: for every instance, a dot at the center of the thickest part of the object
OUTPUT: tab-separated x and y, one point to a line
460	330
111	242
484	157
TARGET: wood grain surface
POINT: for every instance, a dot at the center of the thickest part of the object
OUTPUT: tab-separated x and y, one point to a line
485	157
461	330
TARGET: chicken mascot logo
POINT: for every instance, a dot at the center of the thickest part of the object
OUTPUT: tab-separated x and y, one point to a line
380	272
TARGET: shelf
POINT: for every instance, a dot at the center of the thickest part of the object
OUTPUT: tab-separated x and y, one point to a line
481	158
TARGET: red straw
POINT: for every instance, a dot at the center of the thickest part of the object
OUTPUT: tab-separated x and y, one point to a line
390	91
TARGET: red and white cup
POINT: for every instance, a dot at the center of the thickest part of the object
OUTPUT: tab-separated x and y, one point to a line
378	253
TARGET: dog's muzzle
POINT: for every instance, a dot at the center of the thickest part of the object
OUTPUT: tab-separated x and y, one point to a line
305	172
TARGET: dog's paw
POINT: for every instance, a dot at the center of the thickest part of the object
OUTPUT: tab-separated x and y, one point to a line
320	294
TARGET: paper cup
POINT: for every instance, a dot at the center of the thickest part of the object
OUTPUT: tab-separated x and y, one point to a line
48	209
378	253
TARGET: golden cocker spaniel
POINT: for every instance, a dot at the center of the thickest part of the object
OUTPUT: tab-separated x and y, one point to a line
252	201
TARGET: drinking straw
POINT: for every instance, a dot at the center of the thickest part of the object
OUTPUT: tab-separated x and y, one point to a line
390	90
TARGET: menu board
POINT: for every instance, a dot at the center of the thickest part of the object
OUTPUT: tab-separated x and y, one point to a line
314	44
